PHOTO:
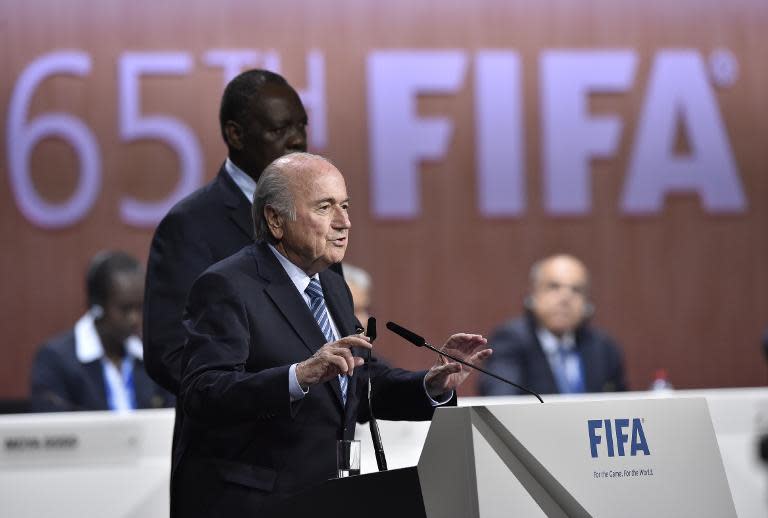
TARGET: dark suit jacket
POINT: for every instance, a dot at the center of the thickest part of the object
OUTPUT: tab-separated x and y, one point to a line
207	226
242	440
60	382
212	223
519	357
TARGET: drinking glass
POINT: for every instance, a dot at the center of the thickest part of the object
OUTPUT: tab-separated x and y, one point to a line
347	458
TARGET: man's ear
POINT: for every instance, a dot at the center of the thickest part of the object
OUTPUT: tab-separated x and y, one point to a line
233	133
274	222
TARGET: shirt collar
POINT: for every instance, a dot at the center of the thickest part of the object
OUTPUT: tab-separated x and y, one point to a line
88	346
550	343
298	276
246	184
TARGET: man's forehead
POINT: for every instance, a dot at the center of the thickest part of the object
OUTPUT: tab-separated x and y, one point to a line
318	179
125	283
275	100
563	268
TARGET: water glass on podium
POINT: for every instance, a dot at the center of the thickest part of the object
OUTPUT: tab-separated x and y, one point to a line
347	458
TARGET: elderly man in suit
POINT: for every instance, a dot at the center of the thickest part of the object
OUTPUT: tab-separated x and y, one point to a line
553	348
261	118
272	370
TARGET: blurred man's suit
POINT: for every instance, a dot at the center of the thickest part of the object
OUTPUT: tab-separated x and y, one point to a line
64	381
207	226
247	324
519	357
212	223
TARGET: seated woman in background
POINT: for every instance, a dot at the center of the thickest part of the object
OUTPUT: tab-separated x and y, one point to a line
98	364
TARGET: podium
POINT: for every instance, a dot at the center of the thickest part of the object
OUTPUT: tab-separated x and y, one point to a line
388	494
638	457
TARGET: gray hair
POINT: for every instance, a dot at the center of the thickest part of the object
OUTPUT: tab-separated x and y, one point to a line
357	276
273	189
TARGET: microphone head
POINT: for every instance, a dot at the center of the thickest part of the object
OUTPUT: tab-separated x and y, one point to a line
412	337
370	328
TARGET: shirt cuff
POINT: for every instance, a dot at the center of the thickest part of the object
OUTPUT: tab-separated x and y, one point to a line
446	397
294	388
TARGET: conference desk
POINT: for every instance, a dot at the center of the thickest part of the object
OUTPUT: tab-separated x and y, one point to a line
99	464
739	417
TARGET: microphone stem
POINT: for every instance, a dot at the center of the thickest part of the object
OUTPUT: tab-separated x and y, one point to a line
378	446
443	353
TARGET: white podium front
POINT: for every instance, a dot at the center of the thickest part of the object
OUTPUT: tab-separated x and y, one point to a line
642	457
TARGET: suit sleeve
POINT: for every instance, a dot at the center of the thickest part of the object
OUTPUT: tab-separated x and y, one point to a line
506	361
48	383
177	256
398	394
215	386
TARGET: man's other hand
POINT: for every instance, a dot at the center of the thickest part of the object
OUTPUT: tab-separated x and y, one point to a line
331	360
447	375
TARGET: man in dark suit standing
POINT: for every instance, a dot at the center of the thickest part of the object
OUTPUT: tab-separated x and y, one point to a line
98	364
261	118
272	373
553	348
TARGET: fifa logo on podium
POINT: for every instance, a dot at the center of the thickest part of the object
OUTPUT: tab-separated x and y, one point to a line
617	435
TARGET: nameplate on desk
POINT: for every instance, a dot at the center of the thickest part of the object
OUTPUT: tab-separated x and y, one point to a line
70	445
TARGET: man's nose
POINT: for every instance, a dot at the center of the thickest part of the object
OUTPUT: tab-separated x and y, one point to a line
297	138
341	219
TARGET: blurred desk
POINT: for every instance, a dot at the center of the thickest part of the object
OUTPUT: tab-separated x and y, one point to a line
101	464
739	417
94	464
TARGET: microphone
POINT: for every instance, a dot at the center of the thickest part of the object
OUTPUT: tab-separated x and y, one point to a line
378	447
412	337
370	329
419	341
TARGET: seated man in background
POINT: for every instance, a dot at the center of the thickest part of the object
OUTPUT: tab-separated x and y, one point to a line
98	364
359	282
553	348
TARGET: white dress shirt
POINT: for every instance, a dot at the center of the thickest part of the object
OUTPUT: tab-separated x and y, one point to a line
552	345
121	394
246	184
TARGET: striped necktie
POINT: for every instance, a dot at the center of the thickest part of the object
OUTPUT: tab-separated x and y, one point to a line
570	375
320	312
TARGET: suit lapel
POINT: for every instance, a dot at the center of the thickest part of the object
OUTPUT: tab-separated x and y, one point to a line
239	207
550	386
294	308
142	389
334	292
95	376
283	293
